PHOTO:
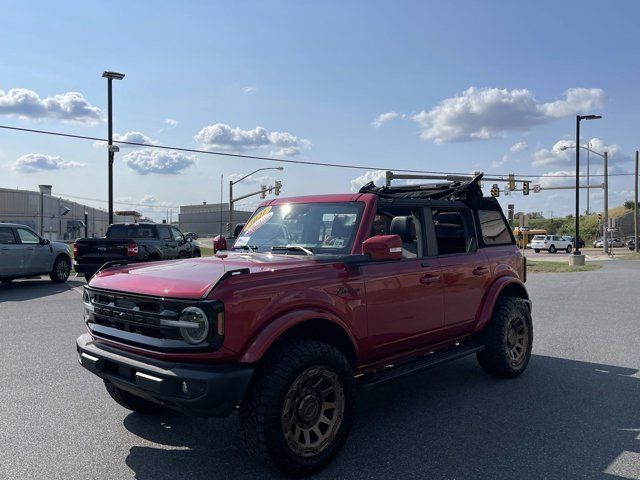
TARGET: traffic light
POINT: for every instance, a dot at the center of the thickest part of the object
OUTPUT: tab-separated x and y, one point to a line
277	188
495	191
599	218
228	227
525	188
263	193
512	182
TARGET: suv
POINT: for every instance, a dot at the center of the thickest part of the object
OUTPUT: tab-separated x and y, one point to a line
551	243
24	254
318	295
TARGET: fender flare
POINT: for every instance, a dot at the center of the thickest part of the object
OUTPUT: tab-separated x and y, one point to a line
264	338
493	294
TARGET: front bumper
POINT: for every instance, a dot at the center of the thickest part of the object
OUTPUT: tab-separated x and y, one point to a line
212	391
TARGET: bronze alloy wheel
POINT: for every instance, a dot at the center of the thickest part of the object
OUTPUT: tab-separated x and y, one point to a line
313	411
517	340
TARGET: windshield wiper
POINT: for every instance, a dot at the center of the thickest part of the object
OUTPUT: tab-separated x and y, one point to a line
291	248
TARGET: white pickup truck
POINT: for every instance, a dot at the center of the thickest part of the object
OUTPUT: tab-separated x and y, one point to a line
550	243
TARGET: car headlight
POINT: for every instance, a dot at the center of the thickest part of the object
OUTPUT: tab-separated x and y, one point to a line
88	306
195	327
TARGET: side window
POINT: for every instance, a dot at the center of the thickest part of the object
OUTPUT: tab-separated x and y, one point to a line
454	232
164	233
494	229
177	236
406	224
6	236
27	236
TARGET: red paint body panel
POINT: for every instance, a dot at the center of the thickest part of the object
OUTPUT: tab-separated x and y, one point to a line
388	309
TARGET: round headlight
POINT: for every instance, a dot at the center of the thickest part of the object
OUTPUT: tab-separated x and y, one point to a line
198	328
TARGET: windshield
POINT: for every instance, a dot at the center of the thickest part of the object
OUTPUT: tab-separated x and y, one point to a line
538	237
301	228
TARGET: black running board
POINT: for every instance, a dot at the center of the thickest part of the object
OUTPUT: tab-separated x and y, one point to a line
383	375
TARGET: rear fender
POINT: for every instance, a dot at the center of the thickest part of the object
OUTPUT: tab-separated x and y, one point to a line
277	327
497	288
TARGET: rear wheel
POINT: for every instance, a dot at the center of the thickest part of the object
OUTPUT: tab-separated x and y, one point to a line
298	410
131	402
61	269
537	250
569	247
552	249
507	339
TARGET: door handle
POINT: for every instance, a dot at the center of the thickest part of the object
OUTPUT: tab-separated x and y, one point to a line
429	278
479	271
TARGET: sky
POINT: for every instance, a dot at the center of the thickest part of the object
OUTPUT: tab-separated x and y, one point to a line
456	86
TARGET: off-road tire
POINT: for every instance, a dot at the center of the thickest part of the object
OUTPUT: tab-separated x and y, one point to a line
495	359
537	250
262	409
132	402
552	249
569	248
61	269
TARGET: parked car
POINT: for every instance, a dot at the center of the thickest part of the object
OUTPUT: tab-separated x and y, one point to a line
25	254
569	238
631	243
613	242
190	235
131	243
316	294
550	243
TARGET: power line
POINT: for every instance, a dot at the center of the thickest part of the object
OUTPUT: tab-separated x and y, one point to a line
297	162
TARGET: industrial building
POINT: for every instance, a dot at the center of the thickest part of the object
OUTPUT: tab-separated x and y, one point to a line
209	219
52	217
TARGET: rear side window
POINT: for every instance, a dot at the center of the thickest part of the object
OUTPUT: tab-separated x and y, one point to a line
164	233
131	231
6	236
495	230
454	232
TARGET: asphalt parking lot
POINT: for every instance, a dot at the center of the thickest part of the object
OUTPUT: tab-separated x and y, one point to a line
574	414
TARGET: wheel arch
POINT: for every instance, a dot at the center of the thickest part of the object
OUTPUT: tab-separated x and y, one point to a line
503	286
309	325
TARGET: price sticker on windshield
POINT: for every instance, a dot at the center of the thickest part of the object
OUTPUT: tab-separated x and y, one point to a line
257	221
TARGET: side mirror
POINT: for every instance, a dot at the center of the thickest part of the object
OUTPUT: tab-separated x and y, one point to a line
45	241
219	243
189	239
383	247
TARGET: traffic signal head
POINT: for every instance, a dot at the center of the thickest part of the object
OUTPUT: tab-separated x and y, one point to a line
599	217
495	190
263	193
512	182
228	227
525	188
277	187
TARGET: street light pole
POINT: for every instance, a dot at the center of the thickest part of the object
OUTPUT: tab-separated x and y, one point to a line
110	76
588	192
605	216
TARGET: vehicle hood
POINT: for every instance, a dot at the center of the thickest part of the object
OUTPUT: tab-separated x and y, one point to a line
60	247
190	278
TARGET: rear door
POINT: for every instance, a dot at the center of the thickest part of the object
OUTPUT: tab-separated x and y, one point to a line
10	256
405	304
166	242
36	257
466	269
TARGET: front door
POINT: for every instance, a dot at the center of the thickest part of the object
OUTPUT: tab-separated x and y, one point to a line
36	257
404	297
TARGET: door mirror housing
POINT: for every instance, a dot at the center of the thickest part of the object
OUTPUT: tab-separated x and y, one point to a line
219	243
383	247
45	241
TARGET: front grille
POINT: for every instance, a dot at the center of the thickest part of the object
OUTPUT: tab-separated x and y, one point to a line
146	321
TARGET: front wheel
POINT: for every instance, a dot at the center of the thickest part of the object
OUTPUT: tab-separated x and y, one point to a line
299	408
552	249
61	270
507	339
569	249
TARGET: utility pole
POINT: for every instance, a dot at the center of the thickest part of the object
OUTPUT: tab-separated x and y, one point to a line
576	240
588	160
605	216
635	204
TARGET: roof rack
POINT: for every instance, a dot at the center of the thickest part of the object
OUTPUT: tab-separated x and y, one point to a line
456	190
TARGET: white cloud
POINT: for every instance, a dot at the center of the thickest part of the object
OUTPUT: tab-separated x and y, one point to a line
376	176
34	162
71	106
558	178
499	163
384	118
135	137
149	160
222	136
249	89
518	147
483	113
557	156
170	122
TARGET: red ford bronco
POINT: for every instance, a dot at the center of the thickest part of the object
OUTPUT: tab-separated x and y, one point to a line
318	297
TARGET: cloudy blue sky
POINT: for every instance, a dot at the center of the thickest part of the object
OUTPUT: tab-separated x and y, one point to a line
447	86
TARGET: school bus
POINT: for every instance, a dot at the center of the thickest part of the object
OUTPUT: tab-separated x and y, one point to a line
523	239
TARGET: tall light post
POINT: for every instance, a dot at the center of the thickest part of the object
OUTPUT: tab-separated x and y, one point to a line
605	157
576	248
110	76
233	182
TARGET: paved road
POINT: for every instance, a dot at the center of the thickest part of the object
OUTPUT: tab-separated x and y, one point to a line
574	414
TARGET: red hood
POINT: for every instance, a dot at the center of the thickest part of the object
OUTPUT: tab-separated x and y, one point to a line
190	278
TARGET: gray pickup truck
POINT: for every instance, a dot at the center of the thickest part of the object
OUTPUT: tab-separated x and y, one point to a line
24	254
130	243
